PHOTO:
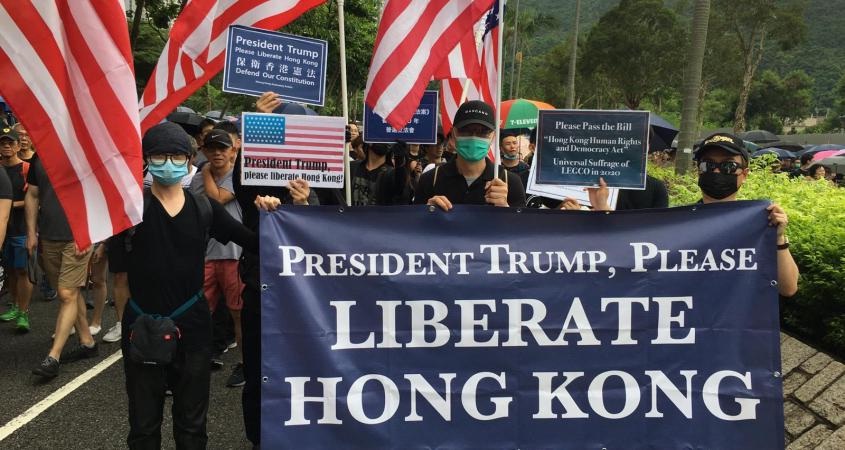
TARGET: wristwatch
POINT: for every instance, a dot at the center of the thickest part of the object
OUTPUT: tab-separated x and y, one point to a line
785	244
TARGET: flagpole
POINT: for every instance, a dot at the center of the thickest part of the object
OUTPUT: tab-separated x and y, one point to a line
500	27
344	102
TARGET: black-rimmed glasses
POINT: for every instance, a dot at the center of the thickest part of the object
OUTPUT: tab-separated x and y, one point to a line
177	159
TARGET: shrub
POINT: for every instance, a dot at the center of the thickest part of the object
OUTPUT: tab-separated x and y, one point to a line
816	231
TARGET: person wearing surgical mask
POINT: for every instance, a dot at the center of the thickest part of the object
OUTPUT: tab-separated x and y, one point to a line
510	149
470	178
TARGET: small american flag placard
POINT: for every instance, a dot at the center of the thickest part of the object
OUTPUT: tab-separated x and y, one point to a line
278	148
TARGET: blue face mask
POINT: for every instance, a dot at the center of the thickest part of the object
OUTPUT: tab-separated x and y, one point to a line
472	148
168	173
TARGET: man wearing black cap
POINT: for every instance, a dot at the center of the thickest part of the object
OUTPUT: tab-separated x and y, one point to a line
469	178
165	256
722	163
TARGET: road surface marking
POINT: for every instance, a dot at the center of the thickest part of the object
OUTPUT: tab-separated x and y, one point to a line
30	414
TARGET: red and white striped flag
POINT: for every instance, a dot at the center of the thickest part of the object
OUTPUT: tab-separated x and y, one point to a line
482	85
196	48
66	70
414	38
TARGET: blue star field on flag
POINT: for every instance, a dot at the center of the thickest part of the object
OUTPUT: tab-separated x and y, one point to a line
492	19
268	130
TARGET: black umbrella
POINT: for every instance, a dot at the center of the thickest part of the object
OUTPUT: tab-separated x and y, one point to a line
189	121
791	146
780	152
661	133
759	136
294	109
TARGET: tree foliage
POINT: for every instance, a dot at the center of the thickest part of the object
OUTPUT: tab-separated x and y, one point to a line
754	25
635	46
774	101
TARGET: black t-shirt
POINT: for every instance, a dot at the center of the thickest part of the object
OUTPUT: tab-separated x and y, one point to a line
522	170
366	183
52	221
5	186
17	219
453	185
165	266
655	195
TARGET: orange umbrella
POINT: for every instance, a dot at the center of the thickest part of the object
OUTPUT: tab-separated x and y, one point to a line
521	113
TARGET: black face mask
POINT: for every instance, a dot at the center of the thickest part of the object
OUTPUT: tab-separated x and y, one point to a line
717	185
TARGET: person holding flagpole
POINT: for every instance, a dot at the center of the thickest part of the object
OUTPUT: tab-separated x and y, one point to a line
469	178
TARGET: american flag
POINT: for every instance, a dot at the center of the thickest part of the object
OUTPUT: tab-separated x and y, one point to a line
196	48
294	143
414	38
66	69
482	85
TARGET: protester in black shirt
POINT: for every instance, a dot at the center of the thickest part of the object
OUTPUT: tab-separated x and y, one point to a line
14	248
297	192
509	149
469	177
165	260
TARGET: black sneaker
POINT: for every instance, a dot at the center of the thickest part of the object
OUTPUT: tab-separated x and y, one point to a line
80	352
236	379
48	368
217	361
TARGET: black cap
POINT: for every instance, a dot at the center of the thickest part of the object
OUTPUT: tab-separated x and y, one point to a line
9	133
217	138
475	111
166	138
725	141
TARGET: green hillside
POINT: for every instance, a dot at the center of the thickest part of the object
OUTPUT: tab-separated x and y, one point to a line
822	55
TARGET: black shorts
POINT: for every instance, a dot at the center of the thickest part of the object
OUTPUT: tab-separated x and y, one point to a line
116	250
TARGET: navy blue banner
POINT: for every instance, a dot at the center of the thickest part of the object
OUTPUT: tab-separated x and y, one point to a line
577	147
258	61
389	328
422	129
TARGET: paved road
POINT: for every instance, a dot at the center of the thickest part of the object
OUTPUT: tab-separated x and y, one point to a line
94	415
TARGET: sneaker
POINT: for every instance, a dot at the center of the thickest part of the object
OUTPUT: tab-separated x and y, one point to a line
46	291
80	352
72	332
230	345
114	333
48	368
94	330
23	322
11	314
236	379
216	361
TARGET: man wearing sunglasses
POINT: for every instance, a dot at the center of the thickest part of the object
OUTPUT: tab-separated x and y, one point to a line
722	163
